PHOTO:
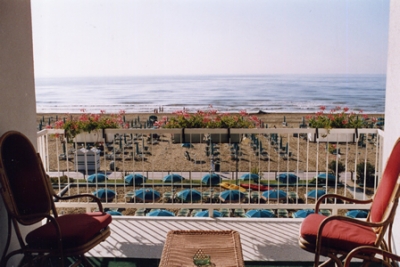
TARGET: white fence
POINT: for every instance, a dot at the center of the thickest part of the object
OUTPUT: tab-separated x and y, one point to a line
156	153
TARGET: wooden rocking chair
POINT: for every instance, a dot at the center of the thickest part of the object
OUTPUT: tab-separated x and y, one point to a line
28	197
335	236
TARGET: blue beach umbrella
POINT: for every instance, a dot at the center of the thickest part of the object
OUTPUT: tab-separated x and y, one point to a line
173	178
189	195
249	176
259	214
322	177
135	179
205	213
303	213
231	196
114	213
290	178
357	214
316	193
97	177
147	195
161	213
211	179
105	194
274	195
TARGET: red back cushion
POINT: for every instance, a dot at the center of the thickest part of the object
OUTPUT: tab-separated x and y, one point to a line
387	185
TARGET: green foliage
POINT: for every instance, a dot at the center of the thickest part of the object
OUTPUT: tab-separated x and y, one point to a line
340	167
367	173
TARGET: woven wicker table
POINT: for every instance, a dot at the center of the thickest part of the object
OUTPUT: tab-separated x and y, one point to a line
224	247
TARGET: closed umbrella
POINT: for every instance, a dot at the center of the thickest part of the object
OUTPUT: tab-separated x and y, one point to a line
249	176
205	213
97	177
211	179
316	193
231	196
189	195
135	179
173	178
357	214
274	195
259	214
105	194
160	212
147	195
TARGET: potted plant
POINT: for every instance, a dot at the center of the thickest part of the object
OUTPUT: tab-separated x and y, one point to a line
88	127
210	119
336	118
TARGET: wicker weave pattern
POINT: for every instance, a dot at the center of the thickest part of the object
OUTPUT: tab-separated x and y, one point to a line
224	247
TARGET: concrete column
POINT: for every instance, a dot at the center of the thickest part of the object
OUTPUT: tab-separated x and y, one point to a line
17	87
392	107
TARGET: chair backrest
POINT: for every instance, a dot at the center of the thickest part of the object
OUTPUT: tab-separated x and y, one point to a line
24	187
388	189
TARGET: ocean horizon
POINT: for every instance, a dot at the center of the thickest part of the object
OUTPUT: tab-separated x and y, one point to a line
226	93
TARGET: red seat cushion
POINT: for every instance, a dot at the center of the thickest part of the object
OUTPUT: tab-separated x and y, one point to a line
340	235
76	229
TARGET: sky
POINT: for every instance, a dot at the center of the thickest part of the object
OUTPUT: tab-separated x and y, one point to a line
78	38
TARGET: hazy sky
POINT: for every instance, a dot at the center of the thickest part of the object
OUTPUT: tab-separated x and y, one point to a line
200	37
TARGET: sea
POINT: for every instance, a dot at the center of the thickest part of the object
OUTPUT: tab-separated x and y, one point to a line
257	93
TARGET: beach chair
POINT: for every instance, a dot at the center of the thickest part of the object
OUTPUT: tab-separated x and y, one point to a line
282	213
239	213
168	196
183	212
225	212
140	212
29	200
129	196
322	235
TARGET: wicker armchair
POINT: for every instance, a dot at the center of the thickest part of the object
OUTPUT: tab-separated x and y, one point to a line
28	197
335	236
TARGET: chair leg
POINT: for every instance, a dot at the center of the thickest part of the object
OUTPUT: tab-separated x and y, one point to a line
85	262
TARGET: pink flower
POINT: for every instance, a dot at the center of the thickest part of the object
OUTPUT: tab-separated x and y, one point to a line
243	113
322	108
345	109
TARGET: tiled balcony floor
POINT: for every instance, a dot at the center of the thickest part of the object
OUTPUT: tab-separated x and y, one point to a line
262	239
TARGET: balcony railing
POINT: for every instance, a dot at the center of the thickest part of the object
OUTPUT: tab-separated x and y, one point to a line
156	153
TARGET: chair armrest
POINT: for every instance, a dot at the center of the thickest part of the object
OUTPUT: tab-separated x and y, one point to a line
93	197
369	250
349	199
